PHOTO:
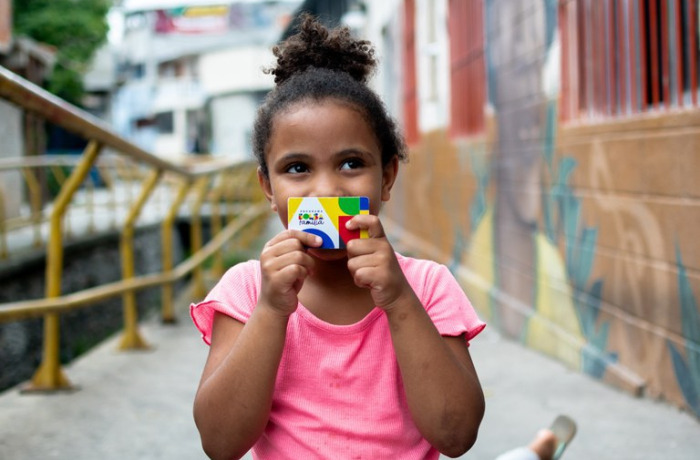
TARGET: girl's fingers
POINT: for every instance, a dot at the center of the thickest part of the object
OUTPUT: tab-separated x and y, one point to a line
363	277
291	258
283	247
285	265
367	222
307	239
366	258
361	247
294	273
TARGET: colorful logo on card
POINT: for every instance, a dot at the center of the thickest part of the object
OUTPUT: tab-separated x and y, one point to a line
310	218
326	217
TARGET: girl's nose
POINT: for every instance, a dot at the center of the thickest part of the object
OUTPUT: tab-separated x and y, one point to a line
327	185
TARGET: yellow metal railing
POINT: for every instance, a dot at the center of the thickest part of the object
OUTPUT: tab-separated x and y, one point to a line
236	210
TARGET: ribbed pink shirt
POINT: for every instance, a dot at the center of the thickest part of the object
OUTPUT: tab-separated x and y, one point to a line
339	393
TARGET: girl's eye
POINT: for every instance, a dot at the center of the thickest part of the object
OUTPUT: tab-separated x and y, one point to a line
352	163
296	168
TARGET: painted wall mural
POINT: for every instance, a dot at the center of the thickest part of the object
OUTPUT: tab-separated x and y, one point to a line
687	368
576	240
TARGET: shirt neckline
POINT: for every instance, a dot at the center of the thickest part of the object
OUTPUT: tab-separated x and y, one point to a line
362	324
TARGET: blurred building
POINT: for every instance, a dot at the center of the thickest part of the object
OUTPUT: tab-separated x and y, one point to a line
100	82
554	157
329	12
21	134
190	74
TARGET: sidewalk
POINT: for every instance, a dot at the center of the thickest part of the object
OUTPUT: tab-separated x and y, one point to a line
130	405
139	406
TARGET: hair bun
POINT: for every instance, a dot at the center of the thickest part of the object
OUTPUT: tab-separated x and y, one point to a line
316	46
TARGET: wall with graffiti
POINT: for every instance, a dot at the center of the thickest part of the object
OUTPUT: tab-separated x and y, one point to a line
581	240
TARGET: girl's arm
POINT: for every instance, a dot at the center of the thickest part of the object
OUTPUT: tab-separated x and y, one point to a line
442	389
233	402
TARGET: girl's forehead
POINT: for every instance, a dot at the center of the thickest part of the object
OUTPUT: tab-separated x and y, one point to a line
322	119
322	125
310	104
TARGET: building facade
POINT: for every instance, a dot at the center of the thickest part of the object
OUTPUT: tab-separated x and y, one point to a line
184	64
554	157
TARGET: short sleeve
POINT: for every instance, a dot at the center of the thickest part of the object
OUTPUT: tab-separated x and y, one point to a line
235	295
448	306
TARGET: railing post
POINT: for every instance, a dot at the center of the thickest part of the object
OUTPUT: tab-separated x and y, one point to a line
131	339
199	290
247	185
232	194
91	204
60	177
218	266
49	376
107	178
168	312
3	231
35	200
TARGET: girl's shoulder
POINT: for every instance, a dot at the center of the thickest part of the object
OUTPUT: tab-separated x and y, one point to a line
235	295
442	297
240	282
417	266
422	273
242	272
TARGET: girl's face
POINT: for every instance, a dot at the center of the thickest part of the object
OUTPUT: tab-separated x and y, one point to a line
325	148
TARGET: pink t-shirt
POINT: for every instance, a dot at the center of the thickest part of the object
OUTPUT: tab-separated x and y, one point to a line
339	392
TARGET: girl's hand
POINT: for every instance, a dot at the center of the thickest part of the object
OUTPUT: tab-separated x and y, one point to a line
372	263
285	265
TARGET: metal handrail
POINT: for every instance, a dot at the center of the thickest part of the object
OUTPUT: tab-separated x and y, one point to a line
40	102
33	308
212	179
112	171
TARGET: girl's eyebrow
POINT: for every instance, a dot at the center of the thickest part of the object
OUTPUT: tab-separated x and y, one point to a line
293	156
351	151
305	157
367	156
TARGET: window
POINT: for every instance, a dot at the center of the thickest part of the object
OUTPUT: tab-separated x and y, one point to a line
138	71
467	66
432	54
410	90
391	66
164	122
628	56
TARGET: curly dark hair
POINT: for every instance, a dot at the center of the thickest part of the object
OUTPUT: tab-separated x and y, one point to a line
318	64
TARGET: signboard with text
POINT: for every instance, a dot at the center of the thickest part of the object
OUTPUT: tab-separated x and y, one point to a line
219	19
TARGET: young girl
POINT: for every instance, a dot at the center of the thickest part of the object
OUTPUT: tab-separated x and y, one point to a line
356	353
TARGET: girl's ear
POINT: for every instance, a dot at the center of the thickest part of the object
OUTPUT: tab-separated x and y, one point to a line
266	187
391	171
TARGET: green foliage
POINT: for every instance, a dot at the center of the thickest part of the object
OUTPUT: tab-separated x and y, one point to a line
687	368
76	28
562	211
480	166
